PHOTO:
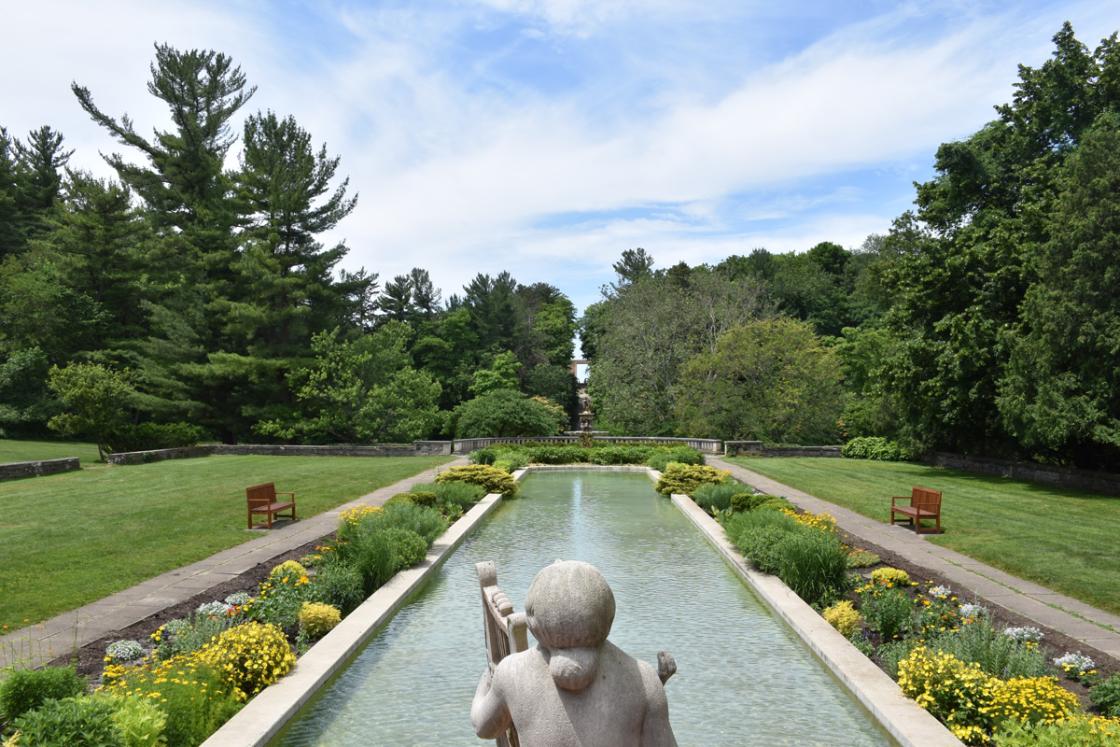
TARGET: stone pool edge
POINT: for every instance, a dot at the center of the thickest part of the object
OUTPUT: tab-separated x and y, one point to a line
265	715
906	721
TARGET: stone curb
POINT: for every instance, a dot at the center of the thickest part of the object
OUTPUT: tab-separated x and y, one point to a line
266	714
904	719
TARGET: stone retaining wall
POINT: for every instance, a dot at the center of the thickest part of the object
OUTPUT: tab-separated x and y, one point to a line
16	470
417	448
1063	477
706	445
757	448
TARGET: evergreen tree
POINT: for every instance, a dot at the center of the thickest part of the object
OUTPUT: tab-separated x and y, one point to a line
395	301
41	161
11	239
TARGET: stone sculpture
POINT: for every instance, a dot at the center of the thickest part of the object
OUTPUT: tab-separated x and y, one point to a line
575	688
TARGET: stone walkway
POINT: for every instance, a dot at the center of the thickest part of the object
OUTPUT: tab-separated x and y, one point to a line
39	644
1078	620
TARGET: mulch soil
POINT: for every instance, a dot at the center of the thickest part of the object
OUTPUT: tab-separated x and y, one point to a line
90	657
1054	643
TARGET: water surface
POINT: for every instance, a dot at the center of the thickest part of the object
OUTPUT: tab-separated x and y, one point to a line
743	677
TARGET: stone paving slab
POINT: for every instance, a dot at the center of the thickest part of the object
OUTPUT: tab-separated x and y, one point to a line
38	644
1046	607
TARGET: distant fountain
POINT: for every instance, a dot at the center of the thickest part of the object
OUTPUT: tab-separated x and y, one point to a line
575	687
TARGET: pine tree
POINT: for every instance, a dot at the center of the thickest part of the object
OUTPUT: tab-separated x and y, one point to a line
41	161
11	238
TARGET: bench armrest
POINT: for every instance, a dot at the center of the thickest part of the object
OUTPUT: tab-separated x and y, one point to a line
286	492
896	498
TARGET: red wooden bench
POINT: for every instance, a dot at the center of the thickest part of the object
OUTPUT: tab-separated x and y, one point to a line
262	500
924	504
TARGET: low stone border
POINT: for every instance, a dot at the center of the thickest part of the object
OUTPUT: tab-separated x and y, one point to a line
757	448
16	470
416	448
903	719
264	716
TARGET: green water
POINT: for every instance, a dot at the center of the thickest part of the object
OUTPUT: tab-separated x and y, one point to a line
743	677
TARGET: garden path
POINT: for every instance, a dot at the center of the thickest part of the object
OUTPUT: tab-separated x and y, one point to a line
1074	618
38	644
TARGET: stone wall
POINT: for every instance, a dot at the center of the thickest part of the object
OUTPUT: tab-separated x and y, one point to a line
1063	477
757	448
417	448
16	470
706	445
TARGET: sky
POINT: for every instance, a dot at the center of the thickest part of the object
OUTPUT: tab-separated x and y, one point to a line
544	137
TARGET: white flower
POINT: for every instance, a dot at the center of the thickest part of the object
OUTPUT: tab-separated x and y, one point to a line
972	610
124	651
1075	662
1024	633
213	609
238	599
940	592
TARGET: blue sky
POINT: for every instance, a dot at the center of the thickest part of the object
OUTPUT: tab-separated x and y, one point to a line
546	136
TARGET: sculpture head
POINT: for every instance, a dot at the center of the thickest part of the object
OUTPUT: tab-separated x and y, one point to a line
569	609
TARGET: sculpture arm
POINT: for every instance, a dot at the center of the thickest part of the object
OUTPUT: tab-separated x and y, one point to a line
489	714
656	730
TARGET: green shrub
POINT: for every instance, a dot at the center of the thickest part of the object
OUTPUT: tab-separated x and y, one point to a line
192	694
890	653
71	722
426	522
758	535
317	619
557	454
371	554
461	494
491	479
408	546
663	456
997	654
875	447
716	496
843	617
280	596
27	689
485	455
813	564
1079	731
889	612
684	479
139	722
1106	696
146	436
425	498
506	412
338	584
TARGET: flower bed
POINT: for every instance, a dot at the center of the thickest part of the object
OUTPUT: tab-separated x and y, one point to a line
989	683
191	674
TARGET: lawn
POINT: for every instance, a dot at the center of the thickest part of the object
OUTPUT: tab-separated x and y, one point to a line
1066	540
30	451
70	539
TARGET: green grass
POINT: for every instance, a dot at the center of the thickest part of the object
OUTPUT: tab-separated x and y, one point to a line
70	539
30	451
1066	540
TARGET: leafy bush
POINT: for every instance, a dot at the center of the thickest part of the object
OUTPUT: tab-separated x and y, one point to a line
758	534
26	689
662	457
843	617
620	455
351	517
71	722
317	619
875	447
684	479
506	412
140	723
340	585
956	693
409	548
997	654
147	436
491	479
1082	731
250	657
426	522
891	653
280	596
748	501
371	554
1031	700
461	494
193	695
862	558
889	612
425	498
1106	696
716	496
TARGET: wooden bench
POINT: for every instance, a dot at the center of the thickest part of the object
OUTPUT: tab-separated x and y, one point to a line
262	500
924	504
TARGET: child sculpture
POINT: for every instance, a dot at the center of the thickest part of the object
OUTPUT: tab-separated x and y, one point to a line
575	688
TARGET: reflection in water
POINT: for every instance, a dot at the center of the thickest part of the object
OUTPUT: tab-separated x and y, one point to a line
743	678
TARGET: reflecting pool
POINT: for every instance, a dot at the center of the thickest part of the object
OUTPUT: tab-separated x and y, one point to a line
743	677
